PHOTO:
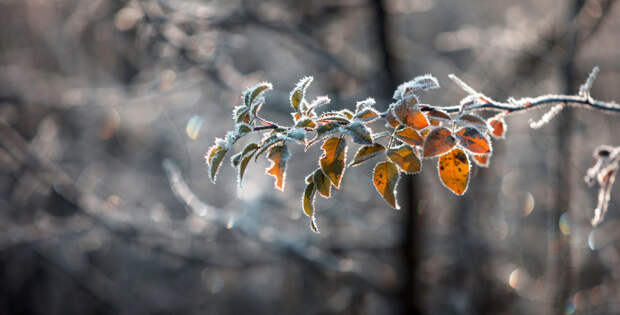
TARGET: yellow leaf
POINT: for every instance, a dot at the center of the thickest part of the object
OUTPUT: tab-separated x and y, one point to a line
214	158
299	92
406	158
473	140
454	171
322	183
307	201
367	152
366	115
410	136
385	179
278	157
333	160
438	141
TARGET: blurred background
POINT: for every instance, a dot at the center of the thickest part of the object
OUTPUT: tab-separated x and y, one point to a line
107	108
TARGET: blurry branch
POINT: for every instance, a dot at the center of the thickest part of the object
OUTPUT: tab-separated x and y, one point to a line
312	257
126	228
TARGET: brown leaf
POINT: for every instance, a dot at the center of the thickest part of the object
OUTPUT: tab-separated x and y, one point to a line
307	201
475	121
410	136
473	140
406	158
436	116
438	141
385	179
453	170
391	118
367	152
366	115
333	160
278	156
322	183
409	115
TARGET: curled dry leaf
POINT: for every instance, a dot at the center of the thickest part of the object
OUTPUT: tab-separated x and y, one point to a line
453	170
409	115
482	160
333	160
438	141
498	127
366	153
278	156
473	140
410	136
322	183
385	179
406	158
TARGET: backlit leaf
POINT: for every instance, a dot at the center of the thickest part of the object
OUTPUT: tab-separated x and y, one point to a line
474	121
254	92
406	158
410	136
333	160
436	116
299	92
409	115
367	114
438	141
307	201
313	225
268	142
305	122
359	132
391	118
367	152
246	155
345	113
482	160
473	140
385	179
322	183
214	158
453	170
278	156
498	127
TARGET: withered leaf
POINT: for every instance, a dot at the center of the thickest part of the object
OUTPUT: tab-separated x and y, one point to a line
367	152
322	183
498	127
333	160
385	179
391	118
436	116
453	170
474	121
360	133
473	140
410	136
439	141
307	201
299	92
482	160
409	115
366	115
278	155
406	158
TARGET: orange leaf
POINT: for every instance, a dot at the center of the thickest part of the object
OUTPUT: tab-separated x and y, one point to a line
436	116
410	136
278	156
454	171
473	140
366	153
438	141
406	158
333	160
385	178
498	127
409	115
482	160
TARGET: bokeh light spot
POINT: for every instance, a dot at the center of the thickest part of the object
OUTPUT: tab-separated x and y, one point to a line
193	127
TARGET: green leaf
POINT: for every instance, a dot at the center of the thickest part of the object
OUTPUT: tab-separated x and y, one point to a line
278	155
366	153
299	92
333	160
305	122
246	155
323	184
307	201
214	158
359	132
385	179
254	92
267	143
